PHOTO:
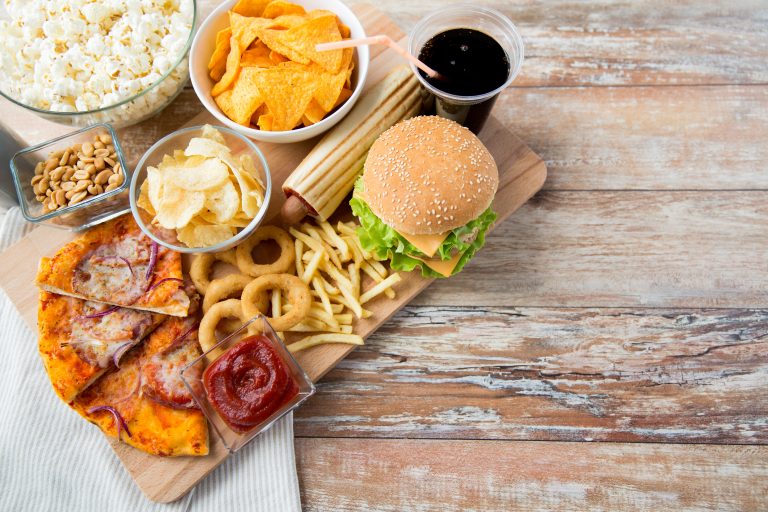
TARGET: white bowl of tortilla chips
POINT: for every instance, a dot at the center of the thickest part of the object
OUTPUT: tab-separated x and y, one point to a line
201	189
251	81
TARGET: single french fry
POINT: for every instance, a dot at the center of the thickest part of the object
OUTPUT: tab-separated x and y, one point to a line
380	287
354	279
277	309
320	339
299	248
320	289
311	268
345	229
368	269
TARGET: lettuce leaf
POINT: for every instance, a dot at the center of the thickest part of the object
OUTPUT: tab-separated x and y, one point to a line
385	242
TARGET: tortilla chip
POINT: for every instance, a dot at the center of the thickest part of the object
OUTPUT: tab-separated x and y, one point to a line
242	100
257	56
233	69
287	21
245	29
303	38
280	7
277	58
222	48
343	96
314	112
265	122
331	84
272	39
252	8
287	90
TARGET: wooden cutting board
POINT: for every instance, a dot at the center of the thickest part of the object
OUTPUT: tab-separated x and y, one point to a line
522	173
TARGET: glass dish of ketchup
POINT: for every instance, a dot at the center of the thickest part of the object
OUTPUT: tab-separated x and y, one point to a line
247	382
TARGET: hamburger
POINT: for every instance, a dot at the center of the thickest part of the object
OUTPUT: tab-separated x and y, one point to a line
424	199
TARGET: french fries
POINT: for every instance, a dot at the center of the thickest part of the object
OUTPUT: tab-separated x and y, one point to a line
330	260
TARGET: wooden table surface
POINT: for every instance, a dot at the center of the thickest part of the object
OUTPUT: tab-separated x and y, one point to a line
608	348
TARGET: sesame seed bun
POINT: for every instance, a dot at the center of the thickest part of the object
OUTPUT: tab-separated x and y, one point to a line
428	175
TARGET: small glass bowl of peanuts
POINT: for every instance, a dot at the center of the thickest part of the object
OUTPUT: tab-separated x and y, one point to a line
74	181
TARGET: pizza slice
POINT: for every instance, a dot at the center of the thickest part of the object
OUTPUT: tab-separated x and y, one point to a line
144	403
117	264
80	340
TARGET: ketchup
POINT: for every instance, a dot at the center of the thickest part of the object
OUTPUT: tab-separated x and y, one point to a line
248	383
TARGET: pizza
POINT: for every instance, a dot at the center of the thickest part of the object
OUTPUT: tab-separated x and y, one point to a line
144	402
80	340
116	263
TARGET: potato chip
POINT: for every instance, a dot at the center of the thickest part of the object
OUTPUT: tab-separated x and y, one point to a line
201	235
211	173
154	187
303	38
223	202
209	132
251	8
143	200
279	8
178	206
204	192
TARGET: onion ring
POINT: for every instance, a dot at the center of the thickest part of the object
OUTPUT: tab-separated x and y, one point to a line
229	287
230	308
296	291
201	267
283	264
200	270
227	257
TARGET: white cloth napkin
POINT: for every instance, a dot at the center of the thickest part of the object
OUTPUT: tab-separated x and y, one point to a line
53	460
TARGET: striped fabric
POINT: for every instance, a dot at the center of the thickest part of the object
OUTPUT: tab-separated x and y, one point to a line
52	460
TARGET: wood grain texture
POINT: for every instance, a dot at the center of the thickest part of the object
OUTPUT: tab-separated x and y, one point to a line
630	138
346	475
552	374
608	42
609	249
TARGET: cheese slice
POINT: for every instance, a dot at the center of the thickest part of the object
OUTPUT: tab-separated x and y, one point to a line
428	244
442	267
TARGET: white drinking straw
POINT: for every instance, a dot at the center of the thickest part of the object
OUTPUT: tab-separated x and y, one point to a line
382	39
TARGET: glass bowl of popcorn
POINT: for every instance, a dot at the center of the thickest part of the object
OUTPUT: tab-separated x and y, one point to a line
80	62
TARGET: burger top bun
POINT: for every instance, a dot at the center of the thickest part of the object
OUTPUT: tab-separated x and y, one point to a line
428	175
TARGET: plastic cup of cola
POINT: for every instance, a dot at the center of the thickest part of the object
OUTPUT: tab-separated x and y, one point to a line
439	40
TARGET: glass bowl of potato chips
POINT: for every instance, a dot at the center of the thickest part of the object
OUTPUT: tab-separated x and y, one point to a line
201	189
255	68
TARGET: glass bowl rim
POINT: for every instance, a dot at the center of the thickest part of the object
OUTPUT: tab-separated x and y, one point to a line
57	113
244	232
93	200
274	338
476	9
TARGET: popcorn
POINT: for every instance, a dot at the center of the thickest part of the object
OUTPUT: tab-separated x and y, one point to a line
84	55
